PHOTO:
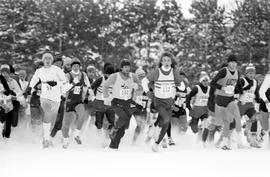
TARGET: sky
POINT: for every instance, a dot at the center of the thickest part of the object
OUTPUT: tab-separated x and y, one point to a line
185	4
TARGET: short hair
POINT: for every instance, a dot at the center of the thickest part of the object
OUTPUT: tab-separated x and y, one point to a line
171	56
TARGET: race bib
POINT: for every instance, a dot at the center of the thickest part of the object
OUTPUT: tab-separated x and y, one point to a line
179	102
125	93
229	89
166	89
77	90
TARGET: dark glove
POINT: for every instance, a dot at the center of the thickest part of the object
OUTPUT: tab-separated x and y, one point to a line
85	101
138	106
11	92
189	107
63	99
27	92
52	83
150	95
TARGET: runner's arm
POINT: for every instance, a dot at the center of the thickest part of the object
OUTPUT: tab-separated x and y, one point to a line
109	82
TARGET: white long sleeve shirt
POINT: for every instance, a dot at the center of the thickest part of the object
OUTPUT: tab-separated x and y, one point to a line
53	73
264	87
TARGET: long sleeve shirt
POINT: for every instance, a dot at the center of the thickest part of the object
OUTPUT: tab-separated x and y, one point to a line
53	73
264	87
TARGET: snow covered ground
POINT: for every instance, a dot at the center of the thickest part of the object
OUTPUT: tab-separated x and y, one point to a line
24	156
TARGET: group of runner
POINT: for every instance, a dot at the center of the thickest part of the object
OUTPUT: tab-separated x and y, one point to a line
62	98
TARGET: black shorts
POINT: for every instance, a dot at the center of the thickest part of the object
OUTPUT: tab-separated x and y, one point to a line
179	113
247	109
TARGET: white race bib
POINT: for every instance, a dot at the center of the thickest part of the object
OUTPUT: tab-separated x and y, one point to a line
229	89
166	89
179	102
125	93
77	90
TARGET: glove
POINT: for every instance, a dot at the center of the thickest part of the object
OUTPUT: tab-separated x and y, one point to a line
27	92
138	106
63	99
188	106
52	83
11	92
85	101
150	95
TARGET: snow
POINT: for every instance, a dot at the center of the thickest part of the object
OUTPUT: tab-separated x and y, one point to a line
23	156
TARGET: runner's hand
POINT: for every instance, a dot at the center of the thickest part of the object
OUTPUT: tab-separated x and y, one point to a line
150	95
52	83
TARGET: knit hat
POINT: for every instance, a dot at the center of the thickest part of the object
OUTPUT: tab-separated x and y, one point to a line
204	76
47	55
250	68
75	61
232	58
5	68
67	60
140	72
90	67
124	62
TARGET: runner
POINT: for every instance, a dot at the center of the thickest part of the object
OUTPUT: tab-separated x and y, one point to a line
165	79
226	109
74	108
51	77
140	115
123	83
199	97
265	105
246	104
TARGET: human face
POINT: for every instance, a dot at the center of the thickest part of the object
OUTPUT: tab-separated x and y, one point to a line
91	73
166	62
250	75
126	69
205	82
232	66
47	61
76	68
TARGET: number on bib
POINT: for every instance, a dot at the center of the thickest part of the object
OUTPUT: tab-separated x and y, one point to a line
166	89
125	93
77	90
